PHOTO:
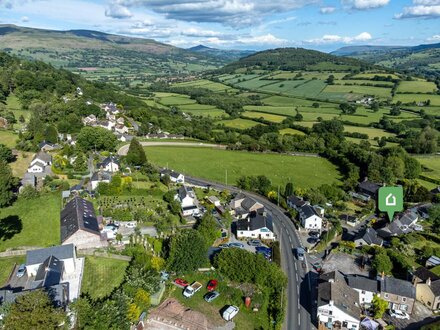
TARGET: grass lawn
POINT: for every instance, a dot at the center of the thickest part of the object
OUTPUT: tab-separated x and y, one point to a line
213	163
266	116
431	166
31	222
291	131
239	123
102	275
19	167
229	295
6	265
8	138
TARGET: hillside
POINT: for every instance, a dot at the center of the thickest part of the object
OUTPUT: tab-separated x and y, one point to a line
104	56
420	60
294	59
229	55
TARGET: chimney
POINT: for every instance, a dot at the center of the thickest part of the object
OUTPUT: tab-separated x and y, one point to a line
330	303
428	281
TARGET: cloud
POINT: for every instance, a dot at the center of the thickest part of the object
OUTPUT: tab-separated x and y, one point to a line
115	10
24	19
434	38
421	11
237	13
334	38
327	10
364	4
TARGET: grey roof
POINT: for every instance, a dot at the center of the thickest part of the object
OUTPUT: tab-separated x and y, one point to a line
185	191
369	187
408	218
29	179
239	196
78	214
423	274
41	164
370	237
435	287
44	143
297	201
307	211
256	221
169	172
396	286
343	297
46	158
348	218
61	252
107	161
49	273
248	203
100	176
362	283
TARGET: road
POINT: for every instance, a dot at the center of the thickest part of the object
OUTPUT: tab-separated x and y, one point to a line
299	288
123	150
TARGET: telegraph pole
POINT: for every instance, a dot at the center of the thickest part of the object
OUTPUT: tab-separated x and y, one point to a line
226	176
278	196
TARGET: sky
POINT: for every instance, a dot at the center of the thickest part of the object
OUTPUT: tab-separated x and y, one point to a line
324	25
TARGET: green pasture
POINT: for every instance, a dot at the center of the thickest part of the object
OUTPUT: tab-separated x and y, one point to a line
409	98
370	131
8	138
266	116
291	131
431	166
239	123
416	87
361	90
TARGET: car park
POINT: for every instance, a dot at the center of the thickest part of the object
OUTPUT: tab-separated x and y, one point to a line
254	242
181	282
212	285
210	296
398	314
21	270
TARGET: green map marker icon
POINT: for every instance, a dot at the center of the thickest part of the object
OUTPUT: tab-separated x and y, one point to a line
390	200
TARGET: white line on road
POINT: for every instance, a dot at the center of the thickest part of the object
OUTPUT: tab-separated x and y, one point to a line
297	279
299	317
290	238
297	289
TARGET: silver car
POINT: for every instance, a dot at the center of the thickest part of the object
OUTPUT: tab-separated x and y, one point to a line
210	296
21	270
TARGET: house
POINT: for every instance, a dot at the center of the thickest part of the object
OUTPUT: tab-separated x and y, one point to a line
29	179
110	108
121	129
90	120
65	253
368	237
399	294
79	225
99	177
368	188
108	125
350	220
47	146
39	163
406	223
188	201
427	288
309	218
242	206
296	203
214	200
432	261
338	304
257	225
366	287
109	164
175	177
124	137
120	121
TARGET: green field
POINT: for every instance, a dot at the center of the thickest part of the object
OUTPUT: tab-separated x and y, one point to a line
6	265
284	111
370	131
8	138
361	90
416	87
213	164
266	116
102	275
203	110
31	222
291	131
431	166
204	83
239	123
372	74
409	98
176	100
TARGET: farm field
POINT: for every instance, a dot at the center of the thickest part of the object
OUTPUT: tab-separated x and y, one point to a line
176	99
298	88
370	131
239	123
431	166
203	110
367	116
360	82
32	222
416	87
204	83
409	98
265	116
8	138
361	90
291	131
313	116
102	275
283	111
213	164
372	74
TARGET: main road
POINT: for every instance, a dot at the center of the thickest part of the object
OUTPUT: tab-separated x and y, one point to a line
299	291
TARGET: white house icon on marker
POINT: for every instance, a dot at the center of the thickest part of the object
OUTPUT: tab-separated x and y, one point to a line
391	200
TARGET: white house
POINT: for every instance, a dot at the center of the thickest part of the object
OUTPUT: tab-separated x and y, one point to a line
99	177
309	218
338	304
174	176
121	129
188	201
64	253
366	287
258	225
39	162
89	120
109	164
296	203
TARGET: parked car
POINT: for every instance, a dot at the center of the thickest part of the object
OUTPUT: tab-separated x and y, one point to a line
398	314
224	246
21	270
254	242
212	285
210	296
236	245
130	225
264	250
314	234
191	289
230	313
164	276
300	253
181	282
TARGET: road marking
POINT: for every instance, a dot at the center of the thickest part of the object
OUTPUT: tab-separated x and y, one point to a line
297	277
297	289
299	317
290	238
295	266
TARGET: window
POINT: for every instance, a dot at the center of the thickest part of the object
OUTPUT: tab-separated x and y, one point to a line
386	295
403	299
330	312
363	292
267	235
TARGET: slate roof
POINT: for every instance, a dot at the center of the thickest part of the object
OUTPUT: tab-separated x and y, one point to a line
40	164
99	176
343	297
248	203
239	196
369	187
78	214
44	143
29	179
170	173
307	211
49	273
435	287
256	221
370	237
348	218
108	160
44	157
396	286
408	218
61	252
423	274
185	191
297	201
362	283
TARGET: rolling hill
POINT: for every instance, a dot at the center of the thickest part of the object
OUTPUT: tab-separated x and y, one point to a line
230	55
420	60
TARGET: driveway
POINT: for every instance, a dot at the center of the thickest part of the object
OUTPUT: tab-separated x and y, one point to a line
420	315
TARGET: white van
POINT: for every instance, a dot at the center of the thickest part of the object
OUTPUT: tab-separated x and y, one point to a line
230	313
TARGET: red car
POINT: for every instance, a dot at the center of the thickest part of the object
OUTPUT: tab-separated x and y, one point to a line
181	282
212	285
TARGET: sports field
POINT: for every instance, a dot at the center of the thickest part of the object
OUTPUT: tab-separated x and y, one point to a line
213	164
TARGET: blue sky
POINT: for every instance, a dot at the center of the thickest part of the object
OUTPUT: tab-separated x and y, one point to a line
240	24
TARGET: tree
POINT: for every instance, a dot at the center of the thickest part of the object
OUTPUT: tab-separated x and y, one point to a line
51	134
412	168
21	119
166	180
6	184
29	192
80	163
188	251
208	227
136	154
379	306
434	217
34	310
90	138
289	189
382	262
6	154
330	80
